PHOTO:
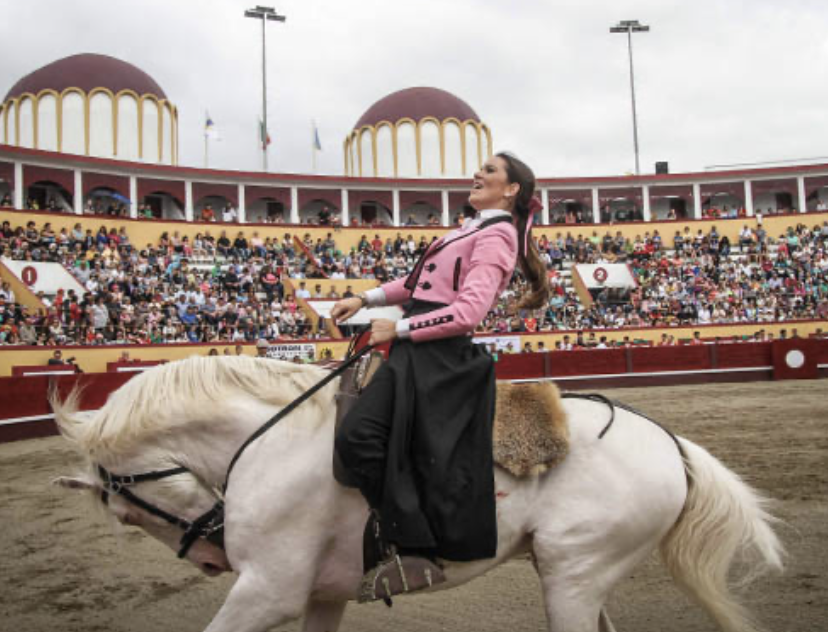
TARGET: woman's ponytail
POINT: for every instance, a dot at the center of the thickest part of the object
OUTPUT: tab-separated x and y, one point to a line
526	205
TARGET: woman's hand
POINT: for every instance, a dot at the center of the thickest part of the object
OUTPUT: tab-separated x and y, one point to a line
382	330
346	308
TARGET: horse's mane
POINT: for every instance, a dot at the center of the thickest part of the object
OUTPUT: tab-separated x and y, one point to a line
173	395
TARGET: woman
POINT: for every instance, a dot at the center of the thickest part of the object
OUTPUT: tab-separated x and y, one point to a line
418	443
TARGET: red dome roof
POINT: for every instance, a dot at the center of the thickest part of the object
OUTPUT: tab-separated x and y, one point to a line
87	72
416	104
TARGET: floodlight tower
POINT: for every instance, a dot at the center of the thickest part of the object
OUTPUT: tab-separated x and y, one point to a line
264	14
629	27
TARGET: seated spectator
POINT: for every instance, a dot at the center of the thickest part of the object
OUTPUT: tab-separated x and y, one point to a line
208	214
229	214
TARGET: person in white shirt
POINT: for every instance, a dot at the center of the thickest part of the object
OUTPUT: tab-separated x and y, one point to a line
229	214
302	291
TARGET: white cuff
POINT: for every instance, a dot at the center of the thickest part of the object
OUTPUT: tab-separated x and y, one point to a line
403	331
376	297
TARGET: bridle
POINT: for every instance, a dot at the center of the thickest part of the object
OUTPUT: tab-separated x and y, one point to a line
210	524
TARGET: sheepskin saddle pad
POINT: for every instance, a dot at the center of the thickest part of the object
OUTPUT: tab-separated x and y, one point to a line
531	433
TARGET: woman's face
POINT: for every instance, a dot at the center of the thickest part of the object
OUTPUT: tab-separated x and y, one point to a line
491	188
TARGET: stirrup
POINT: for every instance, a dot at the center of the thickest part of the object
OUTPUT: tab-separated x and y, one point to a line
398	575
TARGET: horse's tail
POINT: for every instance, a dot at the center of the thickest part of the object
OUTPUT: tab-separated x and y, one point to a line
724	521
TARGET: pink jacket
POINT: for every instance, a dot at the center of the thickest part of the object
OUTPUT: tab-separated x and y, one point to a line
467	270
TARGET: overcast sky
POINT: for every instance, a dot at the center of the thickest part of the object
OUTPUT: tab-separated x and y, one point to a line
717	81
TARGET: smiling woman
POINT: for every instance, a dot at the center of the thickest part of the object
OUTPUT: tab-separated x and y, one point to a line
418	443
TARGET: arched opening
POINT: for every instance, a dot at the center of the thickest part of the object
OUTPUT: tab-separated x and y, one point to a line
106	201
372	213
211	208
671	202
621	209
318	211
570	206
420	213
162	205
266	210
6	185
569	211
817	199
49	196
721	204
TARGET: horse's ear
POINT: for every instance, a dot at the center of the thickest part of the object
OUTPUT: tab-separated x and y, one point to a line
73	483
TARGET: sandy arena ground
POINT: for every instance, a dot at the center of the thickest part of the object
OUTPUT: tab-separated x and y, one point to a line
64	569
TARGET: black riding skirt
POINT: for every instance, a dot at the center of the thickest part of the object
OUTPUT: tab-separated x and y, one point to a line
419	444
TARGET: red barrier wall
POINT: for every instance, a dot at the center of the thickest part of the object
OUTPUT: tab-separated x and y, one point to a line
22	398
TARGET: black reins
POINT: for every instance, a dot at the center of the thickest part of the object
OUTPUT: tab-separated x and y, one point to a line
210	524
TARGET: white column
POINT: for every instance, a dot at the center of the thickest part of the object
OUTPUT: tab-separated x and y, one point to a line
242	206
645	198
346	211
188	200
395	204
697	201
444	197
18	185
545	202
596	207
800	189
294	205
133	197
78	197
748	198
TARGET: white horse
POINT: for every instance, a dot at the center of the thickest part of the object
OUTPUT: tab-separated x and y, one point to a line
294	535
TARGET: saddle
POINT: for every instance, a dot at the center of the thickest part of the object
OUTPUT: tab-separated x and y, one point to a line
531	436
353	381
531	430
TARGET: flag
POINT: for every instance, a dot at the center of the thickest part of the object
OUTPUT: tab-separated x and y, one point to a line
210	127
317	145
264	135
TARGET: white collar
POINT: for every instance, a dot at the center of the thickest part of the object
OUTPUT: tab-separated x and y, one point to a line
490	213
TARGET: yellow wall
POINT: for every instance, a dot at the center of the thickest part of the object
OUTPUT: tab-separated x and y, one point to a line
804	328
22	294
94	359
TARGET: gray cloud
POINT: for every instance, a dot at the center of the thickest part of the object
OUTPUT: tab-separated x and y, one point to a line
716	81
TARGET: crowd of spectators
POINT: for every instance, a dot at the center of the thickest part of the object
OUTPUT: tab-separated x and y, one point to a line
230	288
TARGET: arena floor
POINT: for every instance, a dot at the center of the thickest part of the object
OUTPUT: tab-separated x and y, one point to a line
64	569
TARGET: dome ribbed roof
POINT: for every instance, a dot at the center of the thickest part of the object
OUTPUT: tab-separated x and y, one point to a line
88	71
416	104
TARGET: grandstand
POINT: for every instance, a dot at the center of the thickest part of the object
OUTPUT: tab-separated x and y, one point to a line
249	280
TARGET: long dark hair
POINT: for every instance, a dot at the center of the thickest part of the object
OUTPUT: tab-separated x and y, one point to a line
531	265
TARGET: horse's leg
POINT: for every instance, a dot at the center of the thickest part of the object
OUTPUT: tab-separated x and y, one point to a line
604	623
569	609
256	604
323	616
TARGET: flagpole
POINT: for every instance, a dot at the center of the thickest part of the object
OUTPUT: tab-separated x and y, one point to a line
313	144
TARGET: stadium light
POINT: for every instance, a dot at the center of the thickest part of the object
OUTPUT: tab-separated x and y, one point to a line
264	14
629	27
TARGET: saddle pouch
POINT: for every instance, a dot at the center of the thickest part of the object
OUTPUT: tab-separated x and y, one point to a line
353	381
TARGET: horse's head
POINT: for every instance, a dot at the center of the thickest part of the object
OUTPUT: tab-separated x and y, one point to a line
184	499
162	506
